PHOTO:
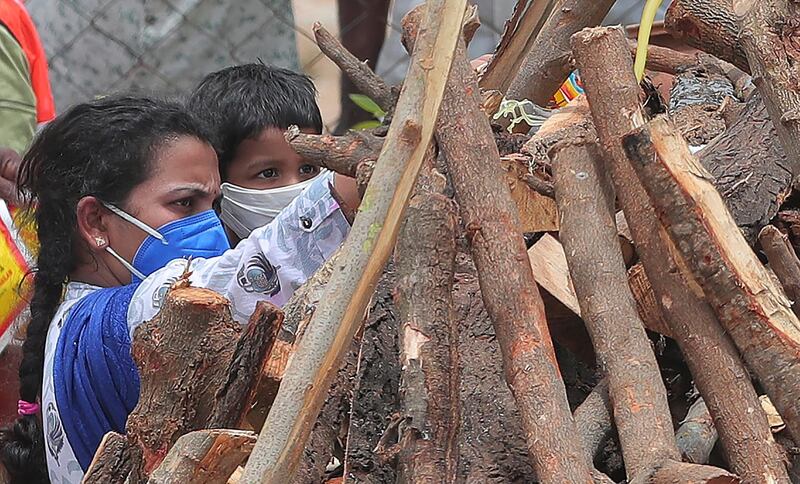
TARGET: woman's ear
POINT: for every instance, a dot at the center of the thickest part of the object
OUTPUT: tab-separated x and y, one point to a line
92	223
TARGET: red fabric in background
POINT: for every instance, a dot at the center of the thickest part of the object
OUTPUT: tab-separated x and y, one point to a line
15	17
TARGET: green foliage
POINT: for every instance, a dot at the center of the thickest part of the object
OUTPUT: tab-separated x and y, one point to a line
370	106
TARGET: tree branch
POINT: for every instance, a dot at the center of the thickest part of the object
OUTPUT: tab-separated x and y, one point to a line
783	262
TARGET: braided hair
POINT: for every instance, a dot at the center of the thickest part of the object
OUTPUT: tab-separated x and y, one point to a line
103	148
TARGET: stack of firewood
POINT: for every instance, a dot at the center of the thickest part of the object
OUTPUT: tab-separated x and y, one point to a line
423	351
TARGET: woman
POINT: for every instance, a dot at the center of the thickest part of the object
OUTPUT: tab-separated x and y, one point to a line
124	190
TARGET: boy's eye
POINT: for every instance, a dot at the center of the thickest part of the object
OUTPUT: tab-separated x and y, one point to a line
268	173
308	170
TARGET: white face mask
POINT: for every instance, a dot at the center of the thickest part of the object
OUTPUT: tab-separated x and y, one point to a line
244	209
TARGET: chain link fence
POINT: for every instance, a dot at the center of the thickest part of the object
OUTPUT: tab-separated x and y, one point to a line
99	47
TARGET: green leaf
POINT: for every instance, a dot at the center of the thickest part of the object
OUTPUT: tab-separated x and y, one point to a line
371	124
367	105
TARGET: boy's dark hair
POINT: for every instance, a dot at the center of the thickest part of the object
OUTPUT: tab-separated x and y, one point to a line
238	103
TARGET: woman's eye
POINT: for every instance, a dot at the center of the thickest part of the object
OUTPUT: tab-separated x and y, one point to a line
185	203
268	173
308	170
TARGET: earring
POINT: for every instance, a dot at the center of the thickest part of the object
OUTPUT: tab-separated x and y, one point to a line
100	241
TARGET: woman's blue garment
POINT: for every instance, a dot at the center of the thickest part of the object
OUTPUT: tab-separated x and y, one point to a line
96	380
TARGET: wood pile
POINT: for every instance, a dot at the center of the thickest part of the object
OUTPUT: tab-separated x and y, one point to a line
609	299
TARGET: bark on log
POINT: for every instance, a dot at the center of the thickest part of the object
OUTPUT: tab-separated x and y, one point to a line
753	310
708	25
508	288
358	72
112	461
342	154
671	472
721	377
234	400
585	201
519	34
428	335
301	394
537	212
769	33
593	419
750	168
547	64
697	435
204	457
783	262
183	356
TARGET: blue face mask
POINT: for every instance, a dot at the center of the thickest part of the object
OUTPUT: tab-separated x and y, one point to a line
197	236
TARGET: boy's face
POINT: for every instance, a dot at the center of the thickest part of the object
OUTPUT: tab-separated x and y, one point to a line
268	162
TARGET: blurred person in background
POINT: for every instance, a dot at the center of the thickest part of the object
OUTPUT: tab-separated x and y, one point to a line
25	102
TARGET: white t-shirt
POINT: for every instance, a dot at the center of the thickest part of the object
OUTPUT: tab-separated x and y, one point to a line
268	265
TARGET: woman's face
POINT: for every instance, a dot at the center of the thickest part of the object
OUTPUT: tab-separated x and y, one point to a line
184	180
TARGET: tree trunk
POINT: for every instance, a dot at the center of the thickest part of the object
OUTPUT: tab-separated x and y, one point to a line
183	356
708	25
428	335
783	262
753	310
546	65
508	288
585	201
720	375
302	391
769	31
671	472
204	457
342	154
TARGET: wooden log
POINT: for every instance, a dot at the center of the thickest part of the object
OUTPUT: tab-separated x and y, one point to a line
697	435
672	472
753	310
204	457
769	30
593	419
508	288
183	356
428	335
783	262
358	72
301	394
235	398
720	375
750	168
708	25
546	64
342	154
585	201
537	212
112	461
519	34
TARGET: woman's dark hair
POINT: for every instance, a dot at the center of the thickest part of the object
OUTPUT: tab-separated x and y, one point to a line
104	149
239	102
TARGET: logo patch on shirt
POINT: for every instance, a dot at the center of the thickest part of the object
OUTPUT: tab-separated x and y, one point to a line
259	275
55	434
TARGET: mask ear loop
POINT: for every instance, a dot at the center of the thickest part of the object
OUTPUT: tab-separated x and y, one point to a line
135	221
136	272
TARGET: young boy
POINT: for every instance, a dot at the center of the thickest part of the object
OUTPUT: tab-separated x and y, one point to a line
248	108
